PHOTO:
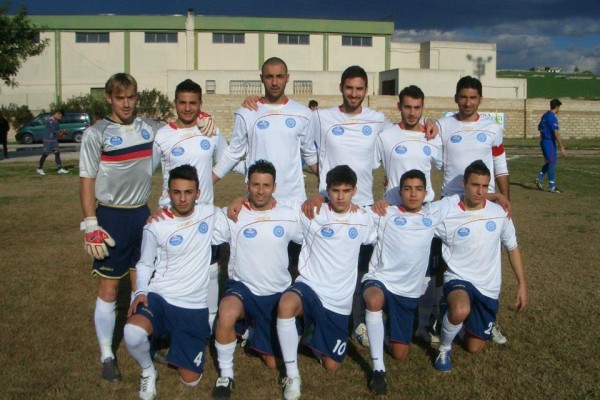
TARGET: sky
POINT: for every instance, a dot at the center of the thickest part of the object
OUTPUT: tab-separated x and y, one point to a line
528	33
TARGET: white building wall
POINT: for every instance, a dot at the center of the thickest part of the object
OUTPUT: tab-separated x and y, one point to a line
405	55
372	59
227	56
297	57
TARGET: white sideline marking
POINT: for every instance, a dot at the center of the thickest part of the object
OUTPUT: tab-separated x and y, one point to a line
510	158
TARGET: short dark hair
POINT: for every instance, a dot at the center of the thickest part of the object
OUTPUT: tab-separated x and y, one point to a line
262	167
274	61
188	86
554	103
313	103
341	175
469	82
413	174
411	91
477	167
186	172
354	72
60	111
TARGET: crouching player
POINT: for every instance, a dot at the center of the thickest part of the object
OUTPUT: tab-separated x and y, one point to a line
471	235
258	273
172	283
322	294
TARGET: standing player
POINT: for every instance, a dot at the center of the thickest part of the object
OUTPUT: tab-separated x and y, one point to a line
472	234
322	294
172	283
258	273
50	138
549	135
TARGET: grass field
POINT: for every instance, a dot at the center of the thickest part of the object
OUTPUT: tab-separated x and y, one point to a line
547	85
49	348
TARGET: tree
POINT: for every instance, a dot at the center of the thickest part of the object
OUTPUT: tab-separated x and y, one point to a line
17	42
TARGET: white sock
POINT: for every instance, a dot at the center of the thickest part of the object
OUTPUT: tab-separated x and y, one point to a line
138	345
213	293
449	332
225	356
376	331
104	319
426	304
288	340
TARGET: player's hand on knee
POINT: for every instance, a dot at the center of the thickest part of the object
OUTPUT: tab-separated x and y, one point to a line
206	124
96	239
140	298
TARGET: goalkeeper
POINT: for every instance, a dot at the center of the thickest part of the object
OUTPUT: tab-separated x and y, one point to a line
50	139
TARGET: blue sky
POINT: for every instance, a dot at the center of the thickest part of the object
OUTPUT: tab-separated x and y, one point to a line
528	33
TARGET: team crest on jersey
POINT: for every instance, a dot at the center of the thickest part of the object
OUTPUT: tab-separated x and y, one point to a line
427	150
116	141
290	122
262	125
352	233
327	232
400	221
338	131
456	139
278	231
176	240
481	137
490	226
177	151
464	232
366	130
250	233
427	222
145	134
205	144
400	149
203	227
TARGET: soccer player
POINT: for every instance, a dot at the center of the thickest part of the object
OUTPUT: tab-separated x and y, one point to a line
472	234
50	138
549	135
258	273
172	283
322	294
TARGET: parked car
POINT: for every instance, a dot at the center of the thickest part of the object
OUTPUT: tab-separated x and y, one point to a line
72	122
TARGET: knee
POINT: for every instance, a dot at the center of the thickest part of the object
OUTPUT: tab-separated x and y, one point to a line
458	313
331	365
288	306
134	335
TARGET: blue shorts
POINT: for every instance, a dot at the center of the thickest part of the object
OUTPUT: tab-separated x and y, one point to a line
188	329
330	328
51	146
125	225
260	312
481	319
548	150
400	311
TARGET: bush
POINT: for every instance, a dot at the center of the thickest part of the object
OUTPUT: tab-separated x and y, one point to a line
16	115
88	103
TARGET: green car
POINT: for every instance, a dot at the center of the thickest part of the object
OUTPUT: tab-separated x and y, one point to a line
73	122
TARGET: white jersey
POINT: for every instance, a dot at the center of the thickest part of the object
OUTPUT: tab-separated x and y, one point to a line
259	242
401	150
176	255
119	158
174	147
465	142
401	255
344	139
471	245
279	133
329	257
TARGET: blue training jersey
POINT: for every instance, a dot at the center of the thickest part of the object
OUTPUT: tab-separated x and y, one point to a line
548	125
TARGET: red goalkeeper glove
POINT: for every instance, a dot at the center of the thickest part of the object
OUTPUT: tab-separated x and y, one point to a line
96	239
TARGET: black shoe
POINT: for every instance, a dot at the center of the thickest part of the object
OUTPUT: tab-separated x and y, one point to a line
378	385
223	388
110	371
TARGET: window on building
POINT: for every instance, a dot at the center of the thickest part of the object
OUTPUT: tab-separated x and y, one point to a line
360	41
210	87
245	87
229	37
293	39
303	87
92	37
160	37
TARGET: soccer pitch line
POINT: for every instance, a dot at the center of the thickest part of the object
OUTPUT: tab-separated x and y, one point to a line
516	157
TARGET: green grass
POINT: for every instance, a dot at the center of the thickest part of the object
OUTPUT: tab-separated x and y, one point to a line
550	85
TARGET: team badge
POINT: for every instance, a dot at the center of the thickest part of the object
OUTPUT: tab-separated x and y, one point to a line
427	222
203	227
464	232
145	134
456	139
278	231
427	150
327	232
481	137
338	131
400	221
366	130
490	226
177	151
116	141
250	233
290	122
352	233
263	125
205	144
400	149
176	240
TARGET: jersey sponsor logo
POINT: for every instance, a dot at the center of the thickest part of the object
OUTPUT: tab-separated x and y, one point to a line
203	227
250	233
427	222
400	149
177	151
176	240
456	138
327	232
145	134
366	130
352	233
262	124
116	140
205	144
278	231
400	221
338	131
481	137
490	226
290	122
464	232
427	150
